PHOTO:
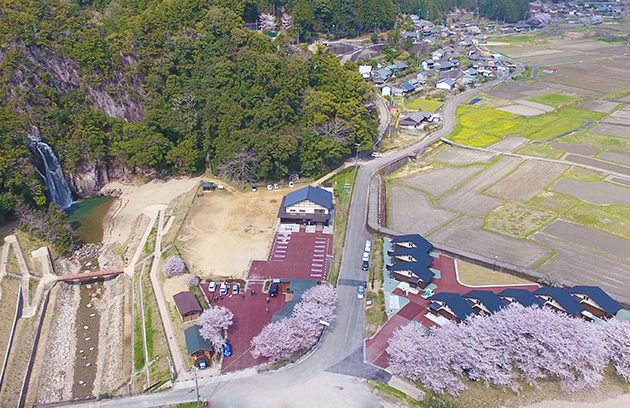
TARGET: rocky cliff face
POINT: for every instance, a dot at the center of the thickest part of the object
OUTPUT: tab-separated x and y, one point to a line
123	97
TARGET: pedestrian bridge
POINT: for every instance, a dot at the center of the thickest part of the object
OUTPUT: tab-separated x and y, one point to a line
87	276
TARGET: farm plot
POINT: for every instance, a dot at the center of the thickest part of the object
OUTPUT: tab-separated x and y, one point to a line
511	90
467	198
522	110
583	236
467	234
516	220
584	150
509	144
458	156
593	192
598	105
527	180
409	211
619	157
613	129
577	265
580	76
440	180
598	163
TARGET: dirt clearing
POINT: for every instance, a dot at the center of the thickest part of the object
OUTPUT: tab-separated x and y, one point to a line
599	105
584	150
527	180
224	231
593	192
522	110
472	274
458	156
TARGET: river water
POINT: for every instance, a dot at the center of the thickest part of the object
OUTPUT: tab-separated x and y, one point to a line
87	218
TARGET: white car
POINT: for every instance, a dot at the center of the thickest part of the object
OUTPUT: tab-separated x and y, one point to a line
223	289
376	155
360	292
368	245
212	287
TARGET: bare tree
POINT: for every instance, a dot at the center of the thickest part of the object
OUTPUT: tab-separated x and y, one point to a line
336	129
267	22
240	168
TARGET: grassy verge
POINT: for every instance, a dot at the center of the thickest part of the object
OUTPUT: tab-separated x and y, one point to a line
375	315
430	105
393	392
343	184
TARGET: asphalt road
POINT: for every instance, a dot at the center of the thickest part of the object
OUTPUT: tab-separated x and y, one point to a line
341	348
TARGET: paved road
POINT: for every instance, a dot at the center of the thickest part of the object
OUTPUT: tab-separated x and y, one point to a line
341	349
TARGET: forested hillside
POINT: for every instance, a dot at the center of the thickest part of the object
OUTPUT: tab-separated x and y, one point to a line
436	10
168	87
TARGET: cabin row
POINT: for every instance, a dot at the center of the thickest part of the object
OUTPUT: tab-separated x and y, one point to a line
587	302
411	260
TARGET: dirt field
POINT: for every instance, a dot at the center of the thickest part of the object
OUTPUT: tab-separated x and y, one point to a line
587	237
466	199
599	105
613	130
516	220
438	181
466	234
521	110
593	192
599	163
224	231
409	211
527	180
619	157
576	148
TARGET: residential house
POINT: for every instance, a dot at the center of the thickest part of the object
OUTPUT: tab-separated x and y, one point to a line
446	84
466	42
407	87
421	78
414	255
412	273
444	65
451	306
409	35
383	74
386	90
521	296
484	302
198	348
437	54
428	64
596	301
187	306
400	66
365	71
208	186
308	205
559	299
414	119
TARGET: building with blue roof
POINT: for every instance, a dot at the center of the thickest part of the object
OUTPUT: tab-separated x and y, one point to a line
596	301
559	299
412	273
451	306
484	301
412	241
403	254
521	296
308	205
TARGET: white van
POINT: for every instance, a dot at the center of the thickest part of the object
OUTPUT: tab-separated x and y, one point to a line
368	245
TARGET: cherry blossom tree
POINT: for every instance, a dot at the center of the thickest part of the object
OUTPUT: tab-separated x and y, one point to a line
267	22
286	21
517	343
194	280
173	266
300	331
214	322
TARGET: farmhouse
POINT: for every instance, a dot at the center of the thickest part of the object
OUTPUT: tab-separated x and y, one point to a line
596	301
308	205
365	71
444	65
484	302
447	84
451	306
187	306
560	300
414	119
197	347
208	186
521	296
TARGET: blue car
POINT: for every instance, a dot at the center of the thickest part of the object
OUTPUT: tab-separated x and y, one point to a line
227	350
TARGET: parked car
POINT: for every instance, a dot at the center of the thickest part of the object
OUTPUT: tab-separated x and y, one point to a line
254	188
212	287
223	288
368	246
274	289
429	290
365	265
227	350
202	364
235	289
376	155
360	292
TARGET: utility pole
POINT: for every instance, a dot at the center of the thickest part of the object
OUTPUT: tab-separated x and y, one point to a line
356	157
197	388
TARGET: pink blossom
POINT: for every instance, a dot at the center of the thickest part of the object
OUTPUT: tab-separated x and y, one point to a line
214	321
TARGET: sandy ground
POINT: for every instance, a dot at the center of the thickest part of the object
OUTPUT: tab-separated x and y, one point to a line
134	199
224	231
175	285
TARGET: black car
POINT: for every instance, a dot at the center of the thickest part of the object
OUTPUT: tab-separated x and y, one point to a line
365	266
274	289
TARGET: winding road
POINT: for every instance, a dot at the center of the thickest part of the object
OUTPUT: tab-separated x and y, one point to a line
339	357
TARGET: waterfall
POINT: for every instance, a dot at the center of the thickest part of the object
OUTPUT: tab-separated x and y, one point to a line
53	175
